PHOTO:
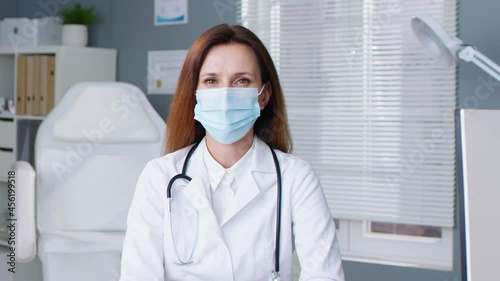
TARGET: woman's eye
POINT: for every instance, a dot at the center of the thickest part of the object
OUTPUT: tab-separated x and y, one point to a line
242	81
209	81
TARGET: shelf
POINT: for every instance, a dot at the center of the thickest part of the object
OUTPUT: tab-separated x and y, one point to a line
50	50
6	114
29	117
29	49
21	117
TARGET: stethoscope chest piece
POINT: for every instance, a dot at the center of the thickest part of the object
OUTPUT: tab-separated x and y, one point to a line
274	276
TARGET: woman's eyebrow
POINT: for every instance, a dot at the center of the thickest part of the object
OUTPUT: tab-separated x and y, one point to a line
209	74
243	73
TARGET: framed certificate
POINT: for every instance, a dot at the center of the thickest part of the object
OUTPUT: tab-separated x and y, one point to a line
168	12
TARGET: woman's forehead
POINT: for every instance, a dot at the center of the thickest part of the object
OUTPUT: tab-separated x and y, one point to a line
230	59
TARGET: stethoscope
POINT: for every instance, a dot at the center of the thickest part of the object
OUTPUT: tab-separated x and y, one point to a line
273	275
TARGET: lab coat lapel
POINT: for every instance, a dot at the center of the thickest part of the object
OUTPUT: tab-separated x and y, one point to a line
260	177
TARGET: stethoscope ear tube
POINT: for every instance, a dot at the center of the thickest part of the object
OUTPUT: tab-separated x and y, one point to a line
188	156
278	217
182	175
176	177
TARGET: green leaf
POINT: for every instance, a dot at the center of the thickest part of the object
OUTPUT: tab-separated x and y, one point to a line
76	14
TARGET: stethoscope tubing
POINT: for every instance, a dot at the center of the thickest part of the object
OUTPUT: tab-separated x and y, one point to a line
278	213
183	175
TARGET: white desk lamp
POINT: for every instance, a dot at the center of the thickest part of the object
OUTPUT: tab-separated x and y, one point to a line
447	49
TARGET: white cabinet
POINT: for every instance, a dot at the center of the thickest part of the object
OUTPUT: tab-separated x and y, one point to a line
17	132
72	65
7	131
7	143
6	160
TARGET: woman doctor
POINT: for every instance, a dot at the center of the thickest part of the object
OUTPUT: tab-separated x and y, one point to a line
224	218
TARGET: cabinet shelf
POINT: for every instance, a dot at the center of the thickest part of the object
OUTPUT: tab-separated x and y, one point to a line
71	65
6	114
29	117
52	50
21	117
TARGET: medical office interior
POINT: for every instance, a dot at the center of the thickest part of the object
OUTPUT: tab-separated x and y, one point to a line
349	69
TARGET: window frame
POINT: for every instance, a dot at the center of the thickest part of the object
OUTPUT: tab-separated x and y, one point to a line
358	244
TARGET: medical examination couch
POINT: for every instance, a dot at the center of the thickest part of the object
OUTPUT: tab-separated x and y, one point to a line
89	153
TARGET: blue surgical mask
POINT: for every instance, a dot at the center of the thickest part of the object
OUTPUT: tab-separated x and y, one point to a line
227	113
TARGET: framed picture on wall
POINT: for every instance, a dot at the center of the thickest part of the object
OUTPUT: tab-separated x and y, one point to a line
168	12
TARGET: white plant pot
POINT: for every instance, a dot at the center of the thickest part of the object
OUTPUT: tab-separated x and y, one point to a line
75	35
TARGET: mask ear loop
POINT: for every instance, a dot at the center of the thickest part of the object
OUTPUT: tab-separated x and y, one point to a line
261	93
261	90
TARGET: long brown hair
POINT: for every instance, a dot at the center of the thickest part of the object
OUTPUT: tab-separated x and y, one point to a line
182	129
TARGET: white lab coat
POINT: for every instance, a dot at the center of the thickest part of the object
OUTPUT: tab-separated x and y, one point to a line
242	248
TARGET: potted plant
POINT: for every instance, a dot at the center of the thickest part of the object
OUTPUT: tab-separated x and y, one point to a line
75	21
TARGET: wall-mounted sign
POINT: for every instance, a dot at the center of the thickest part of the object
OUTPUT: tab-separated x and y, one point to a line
171	12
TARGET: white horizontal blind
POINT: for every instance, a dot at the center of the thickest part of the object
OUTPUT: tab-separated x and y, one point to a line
369	109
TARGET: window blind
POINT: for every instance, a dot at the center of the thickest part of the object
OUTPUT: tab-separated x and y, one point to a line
368	108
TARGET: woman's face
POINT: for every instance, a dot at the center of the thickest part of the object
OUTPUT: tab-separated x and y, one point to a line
232	65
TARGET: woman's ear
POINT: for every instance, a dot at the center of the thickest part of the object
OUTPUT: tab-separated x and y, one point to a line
265	95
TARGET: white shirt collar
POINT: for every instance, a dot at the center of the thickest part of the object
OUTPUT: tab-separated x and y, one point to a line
217	173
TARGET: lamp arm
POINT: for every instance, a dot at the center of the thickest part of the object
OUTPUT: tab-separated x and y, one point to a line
470	54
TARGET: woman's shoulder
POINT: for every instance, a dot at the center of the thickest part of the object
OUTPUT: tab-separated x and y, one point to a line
290	161
293	163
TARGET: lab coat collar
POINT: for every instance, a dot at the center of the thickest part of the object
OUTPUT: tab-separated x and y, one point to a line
260	177
263	159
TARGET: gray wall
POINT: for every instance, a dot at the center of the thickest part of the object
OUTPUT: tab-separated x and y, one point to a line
127	25
478	26
8	8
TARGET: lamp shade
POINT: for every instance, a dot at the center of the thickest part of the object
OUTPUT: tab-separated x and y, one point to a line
436	40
